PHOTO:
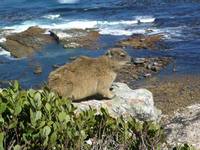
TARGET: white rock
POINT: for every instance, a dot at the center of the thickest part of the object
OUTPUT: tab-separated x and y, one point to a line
184	127
138	103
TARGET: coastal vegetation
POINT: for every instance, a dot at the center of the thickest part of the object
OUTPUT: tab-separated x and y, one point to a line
40	119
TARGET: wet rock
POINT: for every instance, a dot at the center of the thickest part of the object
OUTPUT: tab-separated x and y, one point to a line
183	127
139	60
155	68
37	69
77	38
56	66
147	75
142	67
72	58
26	43
127	102
140	41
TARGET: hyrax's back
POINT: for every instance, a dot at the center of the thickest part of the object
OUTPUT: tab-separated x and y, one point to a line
78	79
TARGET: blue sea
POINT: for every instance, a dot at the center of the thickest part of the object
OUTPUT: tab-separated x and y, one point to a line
177	20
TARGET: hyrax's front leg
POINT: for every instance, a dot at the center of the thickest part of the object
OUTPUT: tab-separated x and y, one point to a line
107	94
104	85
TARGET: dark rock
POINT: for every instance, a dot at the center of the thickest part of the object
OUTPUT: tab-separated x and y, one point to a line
142	69
72	58
77	38
57	66
140	41
37	69
155	68
147	75
26	43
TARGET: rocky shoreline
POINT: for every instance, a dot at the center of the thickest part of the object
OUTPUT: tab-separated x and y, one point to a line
170	94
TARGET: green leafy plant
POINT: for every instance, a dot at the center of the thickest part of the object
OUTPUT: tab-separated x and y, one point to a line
40	119
184	147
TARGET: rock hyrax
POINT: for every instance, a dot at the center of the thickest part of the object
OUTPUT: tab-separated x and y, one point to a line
87	76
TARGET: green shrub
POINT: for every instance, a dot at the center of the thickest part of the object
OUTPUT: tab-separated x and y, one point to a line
42	120
184	147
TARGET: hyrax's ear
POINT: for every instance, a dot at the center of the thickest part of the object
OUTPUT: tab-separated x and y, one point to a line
109	54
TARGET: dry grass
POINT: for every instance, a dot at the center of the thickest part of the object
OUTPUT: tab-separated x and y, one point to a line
174	92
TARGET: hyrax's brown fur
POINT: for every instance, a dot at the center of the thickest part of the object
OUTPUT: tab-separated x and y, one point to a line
87	76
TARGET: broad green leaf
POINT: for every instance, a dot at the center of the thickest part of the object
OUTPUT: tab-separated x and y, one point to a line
53	138
83	134
17	147
16	85
2	107
13	124
62	116
37	98
1	140
48	106
1	119
32	117
38	115
45	143
18	109
46	131
42	124
31	92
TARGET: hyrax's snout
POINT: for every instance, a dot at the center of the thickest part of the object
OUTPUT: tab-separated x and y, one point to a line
118	54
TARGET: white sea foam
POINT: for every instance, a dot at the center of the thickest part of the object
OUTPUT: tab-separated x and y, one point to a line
125	22
21	27
52	17
145	19
121	27
121	31
2	40
68	1
4	52
81	24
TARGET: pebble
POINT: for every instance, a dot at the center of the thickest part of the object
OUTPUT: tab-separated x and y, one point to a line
139	60
38	70
155	68
147	75
72	58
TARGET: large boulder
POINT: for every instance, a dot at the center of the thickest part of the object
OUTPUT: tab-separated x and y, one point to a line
184	127
77	38
127	102
140	41
27	42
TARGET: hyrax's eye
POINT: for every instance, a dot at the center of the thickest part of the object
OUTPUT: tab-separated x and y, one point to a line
109	54
122	55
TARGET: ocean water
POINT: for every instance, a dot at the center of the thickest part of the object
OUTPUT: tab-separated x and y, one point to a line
178	20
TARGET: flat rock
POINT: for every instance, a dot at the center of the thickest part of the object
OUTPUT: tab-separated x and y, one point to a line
127	102
140	41
77	38
184	127
27	42
142	67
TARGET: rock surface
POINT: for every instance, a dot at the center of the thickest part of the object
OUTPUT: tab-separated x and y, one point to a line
184	127
127	102
142	67
26	43
77	38
173	92
140	41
